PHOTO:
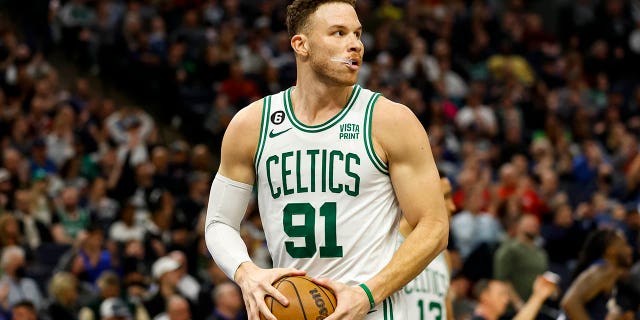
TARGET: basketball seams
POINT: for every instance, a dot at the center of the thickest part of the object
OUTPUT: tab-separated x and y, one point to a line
323	291
276	285
295	288
271	306
305	303
328	298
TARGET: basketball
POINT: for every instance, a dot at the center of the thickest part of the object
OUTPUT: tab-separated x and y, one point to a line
307	300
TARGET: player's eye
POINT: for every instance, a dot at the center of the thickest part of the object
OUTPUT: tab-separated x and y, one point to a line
338	33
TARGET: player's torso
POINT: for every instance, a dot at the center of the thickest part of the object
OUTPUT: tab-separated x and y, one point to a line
325	199
425	295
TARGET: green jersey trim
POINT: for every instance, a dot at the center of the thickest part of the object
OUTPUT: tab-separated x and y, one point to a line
387	312
329	123
384	309
368	140
264	124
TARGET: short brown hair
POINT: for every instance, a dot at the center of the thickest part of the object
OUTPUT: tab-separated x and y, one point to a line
299	11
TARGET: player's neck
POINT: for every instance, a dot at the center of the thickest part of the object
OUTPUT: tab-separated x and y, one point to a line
314	102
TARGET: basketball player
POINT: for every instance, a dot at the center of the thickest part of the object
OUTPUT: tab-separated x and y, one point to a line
428	294
604	259
335	167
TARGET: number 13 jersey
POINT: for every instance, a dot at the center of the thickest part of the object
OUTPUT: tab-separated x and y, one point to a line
325	198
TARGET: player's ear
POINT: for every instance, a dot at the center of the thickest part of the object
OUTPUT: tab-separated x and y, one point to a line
300	45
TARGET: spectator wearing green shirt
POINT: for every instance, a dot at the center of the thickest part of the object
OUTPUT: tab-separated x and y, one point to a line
519	261
70	219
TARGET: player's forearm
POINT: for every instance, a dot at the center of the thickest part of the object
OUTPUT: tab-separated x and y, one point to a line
228	201
449	305
244	269
420	247
226	248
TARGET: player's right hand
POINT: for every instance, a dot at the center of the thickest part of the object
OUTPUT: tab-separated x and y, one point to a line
256	284
353	303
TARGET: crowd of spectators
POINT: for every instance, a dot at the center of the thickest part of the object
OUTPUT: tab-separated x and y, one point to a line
532	108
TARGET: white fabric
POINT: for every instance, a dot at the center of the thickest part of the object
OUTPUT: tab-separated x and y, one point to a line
429	66
228	202
59	148
189	287
468	116
163	265
122	233
426	294
326	208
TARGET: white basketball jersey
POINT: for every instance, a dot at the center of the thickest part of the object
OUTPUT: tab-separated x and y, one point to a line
325	198
426	294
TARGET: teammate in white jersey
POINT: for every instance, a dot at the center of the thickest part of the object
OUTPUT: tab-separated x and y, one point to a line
427	296
336	166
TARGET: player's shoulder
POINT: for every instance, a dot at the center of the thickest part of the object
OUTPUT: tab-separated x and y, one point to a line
242	133
248	118
597	273
390	112
392	121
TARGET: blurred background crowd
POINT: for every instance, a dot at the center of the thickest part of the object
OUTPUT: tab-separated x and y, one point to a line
532	108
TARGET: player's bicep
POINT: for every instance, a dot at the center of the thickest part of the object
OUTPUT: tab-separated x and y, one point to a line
586	286
239	145
417	188
411	164
231	191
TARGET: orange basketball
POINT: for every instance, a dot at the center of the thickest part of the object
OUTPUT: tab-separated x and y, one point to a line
307	300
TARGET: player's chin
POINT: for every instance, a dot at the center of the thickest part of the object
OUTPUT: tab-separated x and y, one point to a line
351	83
348	81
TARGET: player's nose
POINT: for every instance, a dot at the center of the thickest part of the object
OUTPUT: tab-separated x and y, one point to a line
355	44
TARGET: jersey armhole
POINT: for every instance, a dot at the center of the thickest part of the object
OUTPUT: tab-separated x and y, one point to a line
368	138
264	124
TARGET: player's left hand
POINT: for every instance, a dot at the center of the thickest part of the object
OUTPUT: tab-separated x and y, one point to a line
353	303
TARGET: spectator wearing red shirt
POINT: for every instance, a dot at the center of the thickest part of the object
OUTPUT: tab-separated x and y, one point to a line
239	89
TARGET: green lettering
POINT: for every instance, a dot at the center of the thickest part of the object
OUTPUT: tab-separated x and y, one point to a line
313	154
306	231
324	170
274	193
286	172
437	307
332	156
356	179
299	187
331	249
407	288
425	283
443	284
434	283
